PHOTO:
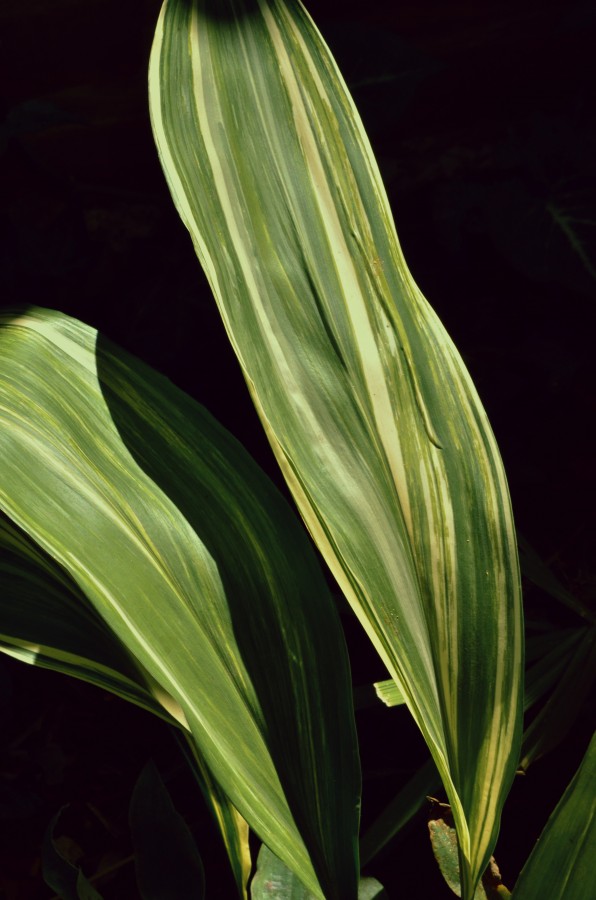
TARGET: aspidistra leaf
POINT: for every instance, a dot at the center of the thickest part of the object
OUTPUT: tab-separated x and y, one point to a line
194	561
540	574
561	866
168	864
399	811
574	678
59	872
368	406
389	693
45	620
233	827
48	622
274	881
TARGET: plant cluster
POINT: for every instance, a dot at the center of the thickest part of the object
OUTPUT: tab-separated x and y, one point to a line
143	550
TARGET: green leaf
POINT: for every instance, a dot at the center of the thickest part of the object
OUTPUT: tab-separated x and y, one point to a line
167	862
274	881
371	889
389	693
46	620
561	866
233	828
396	815
536	571
196	564
575	674
567	221
444	843
367	404
543	640
59	872
49	623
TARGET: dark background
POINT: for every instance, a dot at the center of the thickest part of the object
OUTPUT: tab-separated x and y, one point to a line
482	118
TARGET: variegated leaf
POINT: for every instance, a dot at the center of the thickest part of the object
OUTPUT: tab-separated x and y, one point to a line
196	564
48	622
369	409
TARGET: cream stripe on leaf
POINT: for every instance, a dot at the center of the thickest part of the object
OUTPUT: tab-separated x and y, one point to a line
193	561
49	623
371	413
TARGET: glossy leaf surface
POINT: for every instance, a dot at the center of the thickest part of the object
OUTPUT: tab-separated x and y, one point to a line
48	622
198	567
367	404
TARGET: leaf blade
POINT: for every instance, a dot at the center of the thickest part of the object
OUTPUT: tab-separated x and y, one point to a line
167	861
370	412
560	866
59	873
189	607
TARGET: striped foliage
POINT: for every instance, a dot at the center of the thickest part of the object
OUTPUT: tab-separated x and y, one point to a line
369	409
48	622
177	546
561	865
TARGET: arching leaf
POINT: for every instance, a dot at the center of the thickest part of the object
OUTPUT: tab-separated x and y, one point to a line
368	406
193	560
